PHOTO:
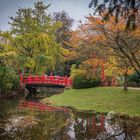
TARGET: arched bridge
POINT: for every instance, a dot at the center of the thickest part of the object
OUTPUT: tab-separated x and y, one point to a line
48	81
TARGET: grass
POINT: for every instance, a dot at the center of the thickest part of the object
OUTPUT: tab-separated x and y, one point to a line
101	99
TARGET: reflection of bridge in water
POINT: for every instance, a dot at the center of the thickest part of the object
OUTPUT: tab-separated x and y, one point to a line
40	106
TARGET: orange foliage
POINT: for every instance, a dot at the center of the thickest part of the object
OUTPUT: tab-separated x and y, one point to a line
94	32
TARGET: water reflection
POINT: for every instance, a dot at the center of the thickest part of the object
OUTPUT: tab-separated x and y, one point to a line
29	124
41	126
86	127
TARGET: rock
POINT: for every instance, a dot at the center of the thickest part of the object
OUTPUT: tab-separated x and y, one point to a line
112	127
104	136
110	115
20	123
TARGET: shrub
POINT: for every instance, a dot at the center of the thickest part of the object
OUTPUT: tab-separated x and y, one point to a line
81	78
80	81
8	80
134	80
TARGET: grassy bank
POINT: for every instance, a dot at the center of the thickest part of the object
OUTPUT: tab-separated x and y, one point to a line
100	99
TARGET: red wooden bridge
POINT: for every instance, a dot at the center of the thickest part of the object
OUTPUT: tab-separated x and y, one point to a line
46	80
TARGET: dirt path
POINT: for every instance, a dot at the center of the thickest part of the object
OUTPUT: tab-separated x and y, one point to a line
134	88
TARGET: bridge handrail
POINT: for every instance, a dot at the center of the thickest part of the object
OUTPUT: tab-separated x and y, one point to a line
46	79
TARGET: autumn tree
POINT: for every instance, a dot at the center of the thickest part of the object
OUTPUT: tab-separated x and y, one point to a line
127	9
112	37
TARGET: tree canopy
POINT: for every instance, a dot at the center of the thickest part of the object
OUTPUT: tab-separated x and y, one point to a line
127	9
33	38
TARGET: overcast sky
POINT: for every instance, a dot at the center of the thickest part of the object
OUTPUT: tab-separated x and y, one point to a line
75	8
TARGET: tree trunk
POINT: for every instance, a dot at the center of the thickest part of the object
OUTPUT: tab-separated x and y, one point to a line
125	81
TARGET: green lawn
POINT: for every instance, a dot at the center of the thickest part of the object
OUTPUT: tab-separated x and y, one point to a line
101	99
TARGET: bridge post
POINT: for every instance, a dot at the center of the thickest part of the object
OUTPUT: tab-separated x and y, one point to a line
36	79
57	80
66	80
29	79
43	78
51	78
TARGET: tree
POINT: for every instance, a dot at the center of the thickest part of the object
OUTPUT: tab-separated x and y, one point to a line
7	53
63	37
8	77
128	9
34	38
114	40
106	43
63	34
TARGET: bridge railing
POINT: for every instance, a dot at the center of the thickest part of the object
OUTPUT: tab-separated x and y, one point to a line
58	80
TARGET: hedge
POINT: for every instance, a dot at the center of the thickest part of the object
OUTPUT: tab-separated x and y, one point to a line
80	81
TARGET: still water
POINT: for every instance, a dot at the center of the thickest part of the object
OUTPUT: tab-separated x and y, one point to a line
18	123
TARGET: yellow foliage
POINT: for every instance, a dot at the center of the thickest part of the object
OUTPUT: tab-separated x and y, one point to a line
6	54
30	63
113	69
77	71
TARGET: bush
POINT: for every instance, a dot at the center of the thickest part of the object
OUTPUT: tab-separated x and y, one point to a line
80	81
8	80
134	80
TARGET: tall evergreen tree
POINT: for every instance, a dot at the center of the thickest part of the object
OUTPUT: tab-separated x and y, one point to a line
63	34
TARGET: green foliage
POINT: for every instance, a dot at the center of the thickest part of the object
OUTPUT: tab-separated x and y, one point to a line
8	79
63	37
30	46
34	38
134	80
81	81
8	76
76	71
41	62
81	78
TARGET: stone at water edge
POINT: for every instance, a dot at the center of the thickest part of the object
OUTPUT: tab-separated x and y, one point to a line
20	122
112	129
109	119
110	116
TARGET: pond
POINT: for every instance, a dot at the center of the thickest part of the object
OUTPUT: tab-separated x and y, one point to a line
24	123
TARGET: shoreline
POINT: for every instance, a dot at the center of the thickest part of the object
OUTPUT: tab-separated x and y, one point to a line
99	99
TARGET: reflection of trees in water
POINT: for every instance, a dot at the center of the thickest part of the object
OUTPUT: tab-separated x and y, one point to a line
49	127
54	125
93	128
88	127
116	130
